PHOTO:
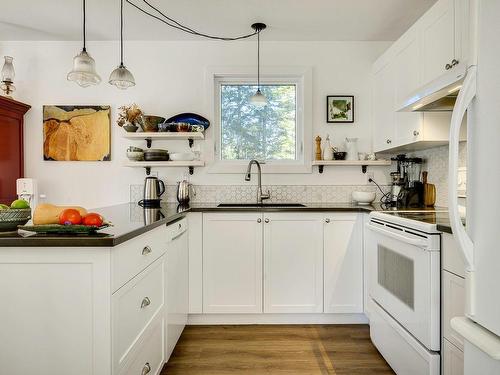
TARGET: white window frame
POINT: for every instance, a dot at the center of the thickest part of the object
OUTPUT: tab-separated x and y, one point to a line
301	78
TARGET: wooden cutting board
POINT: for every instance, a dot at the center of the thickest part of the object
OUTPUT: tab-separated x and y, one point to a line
429	191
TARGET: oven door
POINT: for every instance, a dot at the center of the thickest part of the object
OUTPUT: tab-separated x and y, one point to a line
404	279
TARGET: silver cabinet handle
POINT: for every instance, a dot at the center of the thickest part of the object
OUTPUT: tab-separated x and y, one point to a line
389	141
145	302
327	220
259	220
146	369
266	220
416	133
146	250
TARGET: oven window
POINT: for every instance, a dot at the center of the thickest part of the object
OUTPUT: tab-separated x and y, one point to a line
396	275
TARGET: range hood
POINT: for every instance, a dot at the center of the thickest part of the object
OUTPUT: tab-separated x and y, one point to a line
437	96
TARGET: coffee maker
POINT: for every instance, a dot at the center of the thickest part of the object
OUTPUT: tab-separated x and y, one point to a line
407	189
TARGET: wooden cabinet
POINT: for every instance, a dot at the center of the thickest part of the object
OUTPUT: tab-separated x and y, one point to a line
11	146
232	263
293	263
343	263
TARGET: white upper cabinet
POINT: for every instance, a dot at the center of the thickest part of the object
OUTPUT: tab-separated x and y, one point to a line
383	113
232	263
293	263
437	28
343	263
435	45
407	62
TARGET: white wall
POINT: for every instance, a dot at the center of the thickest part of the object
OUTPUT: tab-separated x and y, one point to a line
170	79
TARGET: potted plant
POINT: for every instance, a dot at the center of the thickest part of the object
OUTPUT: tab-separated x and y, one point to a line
129	117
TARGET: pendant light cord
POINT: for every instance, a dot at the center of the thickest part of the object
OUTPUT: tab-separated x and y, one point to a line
258	60
84	29
179	26
121	32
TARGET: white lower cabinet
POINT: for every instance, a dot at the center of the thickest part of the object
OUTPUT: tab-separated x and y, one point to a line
343	263
293	263
453	302
453	359
232	263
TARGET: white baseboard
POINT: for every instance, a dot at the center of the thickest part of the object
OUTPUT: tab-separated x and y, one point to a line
219	319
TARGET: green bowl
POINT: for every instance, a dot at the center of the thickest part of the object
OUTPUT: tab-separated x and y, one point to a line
11	218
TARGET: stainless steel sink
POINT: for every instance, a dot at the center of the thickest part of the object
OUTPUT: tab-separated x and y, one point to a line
243	205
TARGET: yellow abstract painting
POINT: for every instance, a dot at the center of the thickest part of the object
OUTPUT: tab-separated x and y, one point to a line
76	133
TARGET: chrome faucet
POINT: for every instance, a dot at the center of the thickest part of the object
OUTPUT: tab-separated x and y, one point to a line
260	196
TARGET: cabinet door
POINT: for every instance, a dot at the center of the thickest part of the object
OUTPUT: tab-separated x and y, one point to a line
438	39
293	263
453	306
407	79
383	108
453	359
232	263
343	263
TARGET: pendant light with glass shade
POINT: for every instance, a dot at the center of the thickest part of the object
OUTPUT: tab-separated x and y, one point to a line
83	72
258	99
121	77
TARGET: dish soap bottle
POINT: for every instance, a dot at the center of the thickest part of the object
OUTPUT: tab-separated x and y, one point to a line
328	150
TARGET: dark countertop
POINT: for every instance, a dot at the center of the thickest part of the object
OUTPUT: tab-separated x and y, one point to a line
130	220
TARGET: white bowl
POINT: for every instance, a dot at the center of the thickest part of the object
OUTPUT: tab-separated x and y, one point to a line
363	197
182	156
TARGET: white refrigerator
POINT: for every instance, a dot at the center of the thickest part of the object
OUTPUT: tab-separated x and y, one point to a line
479	242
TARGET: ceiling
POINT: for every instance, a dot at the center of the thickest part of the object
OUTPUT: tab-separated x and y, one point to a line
321	20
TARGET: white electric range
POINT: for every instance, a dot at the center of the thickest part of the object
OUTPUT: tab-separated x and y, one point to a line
403	250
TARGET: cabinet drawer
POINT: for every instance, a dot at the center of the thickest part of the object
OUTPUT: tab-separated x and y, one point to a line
453	305
130	258
149	357
134	306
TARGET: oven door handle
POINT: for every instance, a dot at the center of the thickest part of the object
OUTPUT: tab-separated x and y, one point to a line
411	241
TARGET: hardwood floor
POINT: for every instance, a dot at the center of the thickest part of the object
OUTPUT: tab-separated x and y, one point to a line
276	349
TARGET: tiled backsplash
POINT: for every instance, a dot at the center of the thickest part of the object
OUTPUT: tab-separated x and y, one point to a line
436	163
248	193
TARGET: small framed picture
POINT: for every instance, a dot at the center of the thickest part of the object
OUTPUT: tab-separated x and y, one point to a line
340	109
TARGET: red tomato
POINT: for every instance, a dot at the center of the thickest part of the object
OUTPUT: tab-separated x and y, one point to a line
93	220
70	216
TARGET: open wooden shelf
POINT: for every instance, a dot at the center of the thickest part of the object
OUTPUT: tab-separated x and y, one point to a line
362	163
165	135
155	164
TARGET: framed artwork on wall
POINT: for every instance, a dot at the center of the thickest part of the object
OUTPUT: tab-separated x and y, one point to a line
76	133
340	109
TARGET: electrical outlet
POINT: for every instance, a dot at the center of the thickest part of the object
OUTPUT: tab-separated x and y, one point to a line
369	175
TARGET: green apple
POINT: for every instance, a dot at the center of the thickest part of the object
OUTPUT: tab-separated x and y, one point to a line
4	207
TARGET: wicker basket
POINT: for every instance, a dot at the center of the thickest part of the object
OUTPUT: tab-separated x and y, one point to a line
11	218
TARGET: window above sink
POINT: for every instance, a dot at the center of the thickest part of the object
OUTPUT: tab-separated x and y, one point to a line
275	133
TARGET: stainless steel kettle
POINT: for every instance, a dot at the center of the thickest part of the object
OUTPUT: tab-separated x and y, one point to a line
183	191
153	189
